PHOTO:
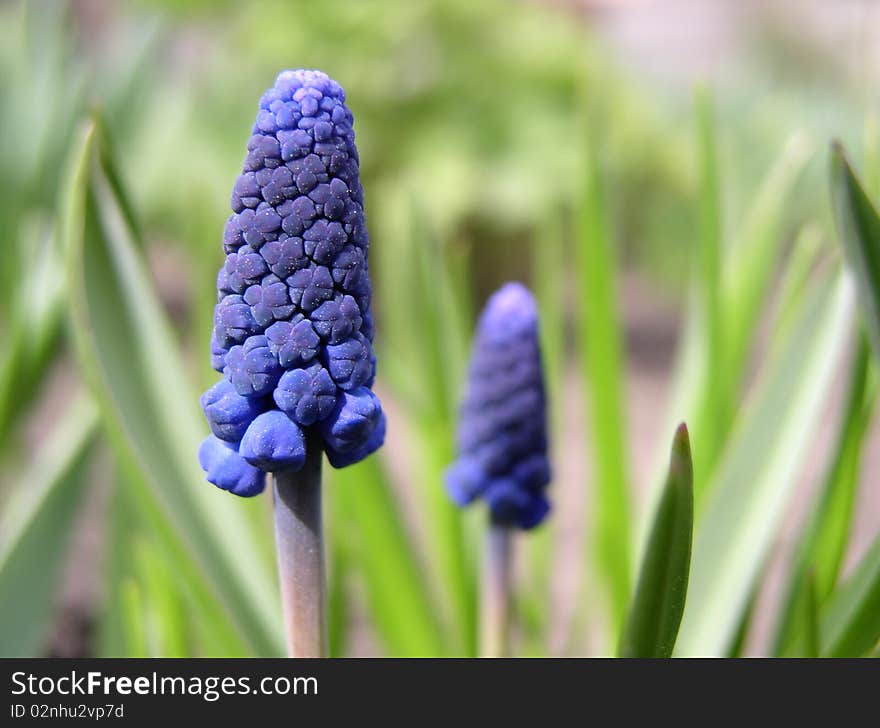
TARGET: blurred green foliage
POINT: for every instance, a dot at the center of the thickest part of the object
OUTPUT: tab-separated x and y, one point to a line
498	140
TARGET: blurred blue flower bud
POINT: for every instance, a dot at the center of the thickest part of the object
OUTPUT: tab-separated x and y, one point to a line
502	437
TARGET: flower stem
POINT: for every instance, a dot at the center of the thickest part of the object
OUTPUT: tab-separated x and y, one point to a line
496	593
300	548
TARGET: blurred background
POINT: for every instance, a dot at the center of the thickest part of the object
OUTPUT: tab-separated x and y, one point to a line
482	128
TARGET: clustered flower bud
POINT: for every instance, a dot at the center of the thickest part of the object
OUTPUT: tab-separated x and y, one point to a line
293	329
502	437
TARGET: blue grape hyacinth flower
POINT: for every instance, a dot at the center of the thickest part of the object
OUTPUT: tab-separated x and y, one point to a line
293	329
502	436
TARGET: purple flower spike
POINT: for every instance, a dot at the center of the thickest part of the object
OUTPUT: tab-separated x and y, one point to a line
226	469
502	438
293	328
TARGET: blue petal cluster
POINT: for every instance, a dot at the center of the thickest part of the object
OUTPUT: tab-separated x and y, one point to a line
502	438
293	329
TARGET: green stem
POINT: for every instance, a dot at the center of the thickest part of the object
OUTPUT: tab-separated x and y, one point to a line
300	547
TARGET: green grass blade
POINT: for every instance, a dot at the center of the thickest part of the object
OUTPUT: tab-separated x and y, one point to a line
759	470
811	619
134	623
712	418
31	342
135	515
127	351
858	227
168	615
818	557
603	368
550	271
443	314
850	625
655	614
833	533
121	519
741	633
751	261
338	598
746	273
423	352
398	597
444	337
686	388
872	154
800	264
35	529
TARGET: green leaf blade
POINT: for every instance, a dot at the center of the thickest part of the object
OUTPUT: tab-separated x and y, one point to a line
850	625
858	226
397	592
35	529
658	605
713	416
127	352
759	470
601	353
822	544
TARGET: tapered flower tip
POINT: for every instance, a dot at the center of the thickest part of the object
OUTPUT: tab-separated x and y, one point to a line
509	312
226	469
273	442
293	326
290	81
502	438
